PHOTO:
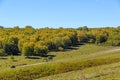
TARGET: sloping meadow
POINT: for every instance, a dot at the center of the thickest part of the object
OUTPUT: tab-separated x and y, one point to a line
51	68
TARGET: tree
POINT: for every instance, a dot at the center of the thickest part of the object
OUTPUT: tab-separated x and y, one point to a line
114	39
58	42
11	46
100	35
118	27
1	45
16	27
28	50
66	41
40	50
82	37
2	52
1	27
83	28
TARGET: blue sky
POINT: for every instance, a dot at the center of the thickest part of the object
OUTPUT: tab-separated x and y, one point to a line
60	13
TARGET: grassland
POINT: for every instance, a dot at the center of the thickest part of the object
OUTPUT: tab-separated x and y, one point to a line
72	53
106	71
79	51
6	62
82	61
103	72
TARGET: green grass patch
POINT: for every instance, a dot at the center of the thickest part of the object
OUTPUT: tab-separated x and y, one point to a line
77	52
102	72
77	59
32	72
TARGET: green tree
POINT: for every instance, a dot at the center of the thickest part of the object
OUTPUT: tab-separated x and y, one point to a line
1	27
40	50
2	52
82	36
28	50
11	46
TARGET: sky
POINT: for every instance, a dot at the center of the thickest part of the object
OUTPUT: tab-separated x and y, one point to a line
60	13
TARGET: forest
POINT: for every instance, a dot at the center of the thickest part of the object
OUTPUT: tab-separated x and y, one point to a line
29	41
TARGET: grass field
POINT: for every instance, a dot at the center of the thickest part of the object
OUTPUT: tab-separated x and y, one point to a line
89	62
104	72
107	71
75	52
6	62
79	52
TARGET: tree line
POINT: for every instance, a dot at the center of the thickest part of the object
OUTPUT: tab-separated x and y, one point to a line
105	36
37	42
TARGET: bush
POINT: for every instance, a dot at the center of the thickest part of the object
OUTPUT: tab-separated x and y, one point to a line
12	66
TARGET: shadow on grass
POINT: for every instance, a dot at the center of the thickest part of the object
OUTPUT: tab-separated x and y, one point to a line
3	58
48	58
74	47
15	60
33	57
50	55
